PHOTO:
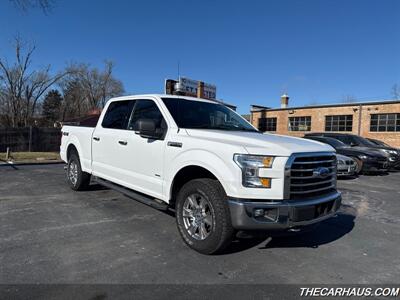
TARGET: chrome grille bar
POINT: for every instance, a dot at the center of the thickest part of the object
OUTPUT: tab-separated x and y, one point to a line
310	177
312	183
301	180
313	162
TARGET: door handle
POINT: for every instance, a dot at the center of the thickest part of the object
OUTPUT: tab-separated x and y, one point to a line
123	143
96	138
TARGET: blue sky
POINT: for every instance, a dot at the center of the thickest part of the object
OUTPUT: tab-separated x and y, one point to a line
317	51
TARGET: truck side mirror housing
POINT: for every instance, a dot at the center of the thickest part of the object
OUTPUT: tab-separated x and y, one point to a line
146	128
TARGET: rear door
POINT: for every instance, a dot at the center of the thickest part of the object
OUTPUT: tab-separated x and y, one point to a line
106	141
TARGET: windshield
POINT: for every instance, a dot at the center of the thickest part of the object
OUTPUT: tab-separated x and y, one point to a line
205	115
364	142
334	142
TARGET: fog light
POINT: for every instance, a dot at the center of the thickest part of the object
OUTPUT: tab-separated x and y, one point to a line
271	214
258	212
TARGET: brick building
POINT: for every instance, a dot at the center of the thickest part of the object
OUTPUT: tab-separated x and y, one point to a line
378	120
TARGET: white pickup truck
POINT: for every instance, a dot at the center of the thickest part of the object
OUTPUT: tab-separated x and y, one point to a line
208	164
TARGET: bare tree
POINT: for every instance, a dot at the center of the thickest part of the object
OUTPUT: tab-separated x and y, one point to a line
396	91
90	87
22	87
25	5
110	87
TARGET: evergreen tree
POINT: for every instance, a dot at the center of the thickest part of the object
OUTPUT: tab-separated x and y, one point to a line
51	108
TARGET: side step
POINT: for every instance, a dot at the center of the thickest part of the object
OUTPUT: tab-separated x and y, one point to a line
132	194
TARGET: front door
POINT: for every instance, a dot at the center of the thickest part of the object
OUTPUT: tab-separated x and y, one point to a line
143	157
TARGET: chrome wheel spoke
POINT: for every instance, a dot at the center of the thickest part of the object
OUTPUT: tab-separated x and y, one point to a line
192	202
187	213
192	229
202	204
208	220
203	231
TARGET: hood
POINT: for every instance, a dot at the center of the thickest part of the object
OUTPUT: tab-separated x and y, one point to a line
377	147
351	151
259	143
343	157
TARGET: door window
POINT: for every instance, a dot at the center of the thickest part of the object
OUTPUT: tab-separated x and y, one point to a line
117	115
147	109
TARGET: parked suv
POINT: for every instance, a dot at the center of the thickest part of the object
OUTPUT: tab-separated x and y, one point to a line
353	140
367	159
205	162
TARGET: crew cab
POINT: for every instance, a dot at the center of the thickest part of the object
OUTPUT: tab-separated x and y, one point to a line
205	162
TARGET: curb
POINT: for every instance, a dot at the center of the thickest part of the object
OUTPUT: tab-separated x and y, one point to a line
31	163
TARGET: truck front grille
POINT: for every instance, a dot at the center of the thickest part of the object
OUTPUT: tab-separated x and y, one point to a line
312	176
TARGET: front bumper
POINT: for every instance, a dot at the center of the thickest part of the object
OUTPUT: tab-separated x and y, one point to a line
345	170
281	215
375	165
394	162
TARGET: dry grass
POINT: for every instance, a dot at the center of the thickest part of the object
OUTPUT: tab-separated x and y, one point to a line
31	156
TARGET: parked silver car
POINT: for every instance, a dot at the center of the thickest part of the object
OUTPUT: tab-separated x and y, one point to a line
346	166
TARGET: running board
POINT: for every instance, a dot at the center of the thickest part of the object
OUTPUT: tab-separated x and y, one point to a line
132	194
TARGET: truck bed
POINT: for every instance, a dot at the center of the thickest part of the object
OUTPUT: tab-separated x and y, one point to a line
82	140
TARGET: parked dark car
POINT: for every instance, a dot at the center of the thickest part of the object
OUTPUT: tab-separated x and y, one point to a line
367	159
378	142
353	140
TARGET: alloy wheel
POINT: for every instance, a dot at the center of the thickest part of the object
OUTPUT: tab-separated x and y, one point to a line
198	216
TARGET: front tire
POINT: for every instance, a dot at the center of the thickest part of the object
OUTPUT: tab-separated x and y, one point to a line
203	216
77	179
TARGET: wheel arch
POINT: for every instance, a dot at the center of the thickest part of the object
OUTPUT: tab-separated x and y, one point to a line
71	149
186	174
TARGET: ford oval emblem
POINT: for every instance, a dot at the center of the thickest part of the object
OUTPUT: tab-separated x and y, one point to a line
321	172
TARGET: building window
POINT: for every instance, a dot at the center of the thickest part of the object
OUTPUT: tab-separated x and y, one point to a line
339	123
267	124
300	123
385	122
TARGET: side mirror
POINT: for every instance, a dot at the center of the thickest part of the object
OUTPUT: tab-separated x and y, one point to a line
146	128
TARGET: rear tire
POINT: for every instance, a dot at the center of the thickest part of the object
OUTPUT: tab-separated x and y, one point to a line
203	216
77	179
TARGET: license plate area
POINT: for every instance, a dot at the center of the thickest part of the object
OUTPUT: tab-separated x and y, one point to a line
310	212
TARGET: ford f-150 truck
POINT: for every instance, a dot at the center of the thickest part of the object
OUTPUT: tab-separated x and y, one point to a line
202	160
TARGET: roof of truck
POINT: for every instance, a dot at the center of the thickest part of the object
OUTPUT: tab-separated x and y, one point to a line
127	97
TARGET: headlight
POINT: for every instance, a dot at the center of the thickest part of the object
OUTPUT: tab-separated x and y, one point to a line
340	162
250	164
363	156
389	151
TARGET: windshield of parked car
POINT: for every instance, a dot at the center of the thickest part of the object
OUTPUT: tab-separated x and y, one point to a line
364	142
205	115
333	142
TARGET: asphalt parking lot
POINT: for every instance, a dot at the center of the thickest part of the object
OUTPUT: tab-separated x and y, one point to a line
50	234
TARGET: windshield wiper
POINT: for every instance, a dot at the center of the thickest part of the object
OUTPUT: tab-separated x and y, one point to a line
230	128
